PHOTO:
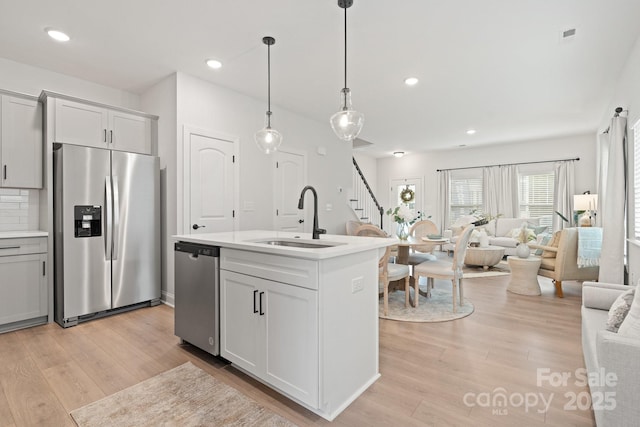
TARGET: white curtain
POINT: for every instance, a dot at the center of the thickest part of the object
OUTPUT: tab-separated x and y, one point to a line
444	180
612	201
500	191
563	192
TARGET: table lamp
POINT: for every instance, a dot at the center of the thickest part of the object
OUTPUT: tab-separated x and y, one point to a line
587	203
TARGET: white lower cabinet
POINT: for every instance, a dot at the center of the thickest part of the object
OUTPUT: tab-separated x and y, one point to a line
23	283
301	325
270	329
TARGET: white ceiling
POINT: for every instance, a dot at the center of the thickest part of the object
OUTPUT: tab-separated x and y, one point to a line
499	66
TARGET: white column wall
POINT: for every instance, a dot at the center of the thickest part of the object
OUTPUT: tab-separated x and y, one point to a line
186	100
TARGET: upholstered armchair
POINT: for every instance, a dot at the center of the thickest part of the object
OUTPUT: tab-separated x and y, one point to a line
560	262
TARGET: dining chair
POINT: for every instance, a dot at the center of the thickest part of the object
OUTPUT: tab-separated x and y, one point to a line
445	269
424	252
387	272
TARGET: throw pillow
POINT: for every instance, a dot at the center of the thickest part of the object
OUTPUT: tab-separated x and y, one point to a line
540	230
630	326
543	240
555	241
619	310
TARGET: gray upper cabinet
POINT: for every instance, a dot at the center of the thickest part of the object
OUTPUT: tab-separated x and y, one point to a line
20	141
95	125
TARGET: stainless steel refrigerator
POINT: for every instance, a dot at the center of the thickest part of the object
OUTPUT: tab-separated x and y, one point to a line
106	232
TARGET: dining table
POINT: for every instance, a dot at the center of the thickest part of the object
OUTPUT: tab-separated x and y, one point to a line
404	246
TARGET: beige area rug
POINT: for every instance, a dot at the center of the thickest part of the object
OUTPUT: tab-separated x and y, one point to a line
183	396
437	308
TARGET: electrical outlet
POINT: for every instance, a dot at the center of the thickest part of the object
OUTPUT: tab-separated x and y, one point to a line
357	285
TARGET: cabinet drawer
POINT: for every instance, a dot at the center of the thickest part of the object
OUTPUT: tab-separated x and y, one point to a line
23	246
293	271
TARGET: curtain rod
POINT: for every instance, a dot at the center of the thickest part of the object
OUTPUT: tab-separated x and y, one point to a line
508	164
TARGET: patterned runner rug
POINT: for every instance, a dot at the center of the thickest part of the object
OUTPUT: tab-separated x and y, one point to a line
183	396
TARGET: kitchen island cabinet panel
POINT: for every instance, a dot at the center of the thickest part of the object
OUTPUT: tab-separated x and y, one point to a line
270	329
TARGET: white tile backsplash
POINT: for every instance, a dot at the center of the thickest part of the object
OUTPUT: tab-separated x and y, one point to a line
18	209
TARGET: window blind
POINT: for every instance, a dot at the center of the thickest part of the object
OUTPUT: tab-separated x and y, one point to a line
536	196
465	196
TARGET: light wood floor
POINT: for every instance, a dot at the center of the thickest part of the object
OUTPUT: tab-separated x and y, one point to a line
427	369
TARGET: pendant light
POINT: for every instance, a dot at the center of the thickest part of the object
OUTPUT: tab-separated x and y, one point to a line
268	139
346	123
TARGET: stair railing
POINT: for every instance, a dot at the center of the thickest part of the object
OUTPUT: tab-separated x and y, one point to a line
363	201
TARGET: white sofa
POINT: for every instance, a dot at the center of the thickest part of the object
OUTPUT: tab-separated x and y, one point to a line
607	353
497	229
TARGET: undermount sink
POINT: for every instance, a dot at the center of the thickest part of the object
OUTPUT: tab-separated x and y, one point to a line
307	244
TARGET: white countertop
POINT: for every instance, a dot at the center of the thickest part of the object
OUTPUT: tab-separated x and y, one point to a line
22	234
247	240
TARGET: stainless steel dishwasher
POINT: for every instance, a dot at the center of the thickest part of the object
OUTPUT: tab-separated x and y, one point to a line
197	295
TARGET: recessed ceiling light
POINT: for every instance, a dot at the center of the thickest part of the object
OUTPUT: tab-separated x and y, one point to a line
398	153
411	81
471	131
57	35
214	63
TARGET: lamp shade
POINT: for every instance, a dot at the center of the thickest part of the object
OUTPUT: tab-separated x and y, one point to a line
585	202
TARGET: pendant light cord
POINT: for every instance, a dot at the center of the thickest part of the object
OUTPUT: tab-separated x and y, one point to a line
269	86
345	47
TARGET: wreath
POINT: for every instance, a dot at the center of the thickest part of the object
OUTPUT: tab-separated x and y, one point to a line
407	195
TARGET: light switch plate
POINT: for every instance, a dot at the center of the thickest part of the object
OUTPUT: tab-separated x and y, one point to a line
357	285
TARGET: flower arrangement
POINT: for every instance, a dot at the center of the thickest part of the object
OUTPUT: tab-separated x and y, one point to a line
402	214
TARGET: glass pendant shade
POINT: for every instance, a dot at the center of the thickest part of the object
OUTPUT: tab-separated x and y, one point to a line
267	139
347	123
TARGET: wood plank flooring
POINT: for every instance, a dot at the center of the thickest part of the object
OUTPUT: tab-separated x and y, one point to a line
433	374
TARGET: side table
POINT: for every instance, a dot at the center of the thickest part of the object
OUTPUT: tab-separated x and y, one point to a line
524	275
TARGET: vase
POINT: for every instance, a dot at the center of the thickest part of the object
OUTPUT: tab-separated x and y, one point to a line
402	231
483	239
523	250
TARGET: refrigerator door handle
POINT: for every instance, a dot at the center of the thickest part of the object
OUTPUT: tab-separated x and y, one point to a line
107	217
116	218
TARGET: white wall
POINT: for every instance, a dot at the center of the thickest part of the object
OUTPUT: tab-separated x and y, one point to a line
425	164
186	100
369	167
31	80
208	106
161	100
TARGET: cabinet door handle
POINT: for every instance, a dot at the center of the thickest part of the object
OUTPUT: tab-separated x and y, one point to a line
255	310
9	247
261	312
4	173
110	137
105	135
44	268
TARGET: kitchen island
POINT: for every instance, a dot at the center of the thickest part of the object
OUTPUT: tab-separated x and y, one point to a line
300	314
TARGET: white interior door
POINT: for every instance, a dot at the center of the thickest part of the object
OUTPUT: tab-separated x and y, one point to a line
290	178
397	186
209	182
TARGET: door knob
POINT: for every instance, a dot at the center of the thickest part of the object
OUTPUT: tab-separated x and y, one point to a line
196	226
300	221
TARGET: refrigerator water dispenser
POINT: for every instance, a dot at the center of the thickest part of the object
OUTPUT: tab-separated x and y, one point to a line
87	221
